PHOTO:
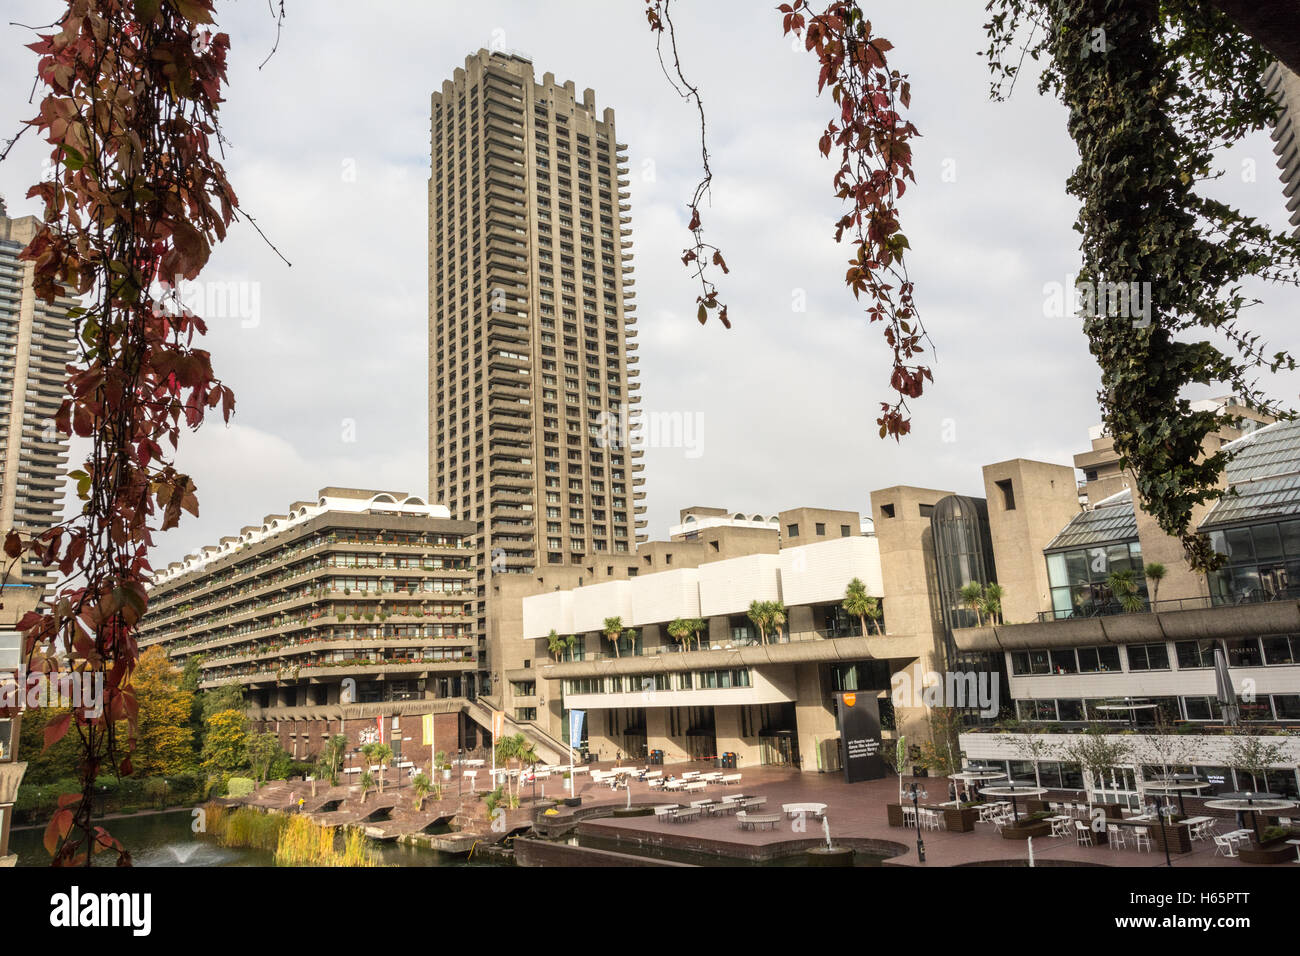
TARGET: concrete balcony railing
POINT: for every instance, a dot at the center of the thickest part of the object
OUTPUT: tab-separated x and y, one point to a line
1186	620
808	647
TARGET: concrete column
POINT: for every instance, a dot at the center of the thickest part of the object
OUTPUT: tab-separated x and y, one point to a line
727	726
814	721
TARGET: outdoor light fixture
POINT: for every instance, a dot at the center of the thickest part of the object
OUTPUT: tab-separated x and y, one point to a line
918	794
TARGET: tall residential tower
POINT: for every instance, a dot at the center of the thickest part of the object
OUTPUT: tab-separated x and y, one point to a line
35	348
531	324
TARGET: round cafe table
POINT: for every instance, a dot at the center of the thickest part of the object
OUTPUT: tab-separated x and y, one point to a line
1014	789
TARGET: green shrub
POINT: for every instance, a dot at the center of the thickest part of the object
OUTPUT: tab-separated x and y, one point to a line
239	786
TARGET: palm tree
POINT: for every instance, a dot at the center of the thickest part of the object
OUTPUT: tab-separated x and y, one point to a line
367	783
776	617
378	754
613	630
680	631
972	596
992	598
760	615
555	644
861	605
1125	590
1155	573
421	784
515	748
697	626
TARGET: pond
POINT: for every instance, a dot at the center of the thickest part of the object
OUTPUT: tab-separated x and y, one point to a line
165	839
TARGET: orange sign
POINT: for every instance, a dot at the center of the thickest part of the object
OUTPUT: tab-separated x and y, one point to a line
498	723
850	700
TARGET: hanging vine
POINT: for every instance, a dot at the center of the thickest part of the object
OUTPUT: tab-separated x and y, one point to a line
130	113
1152	89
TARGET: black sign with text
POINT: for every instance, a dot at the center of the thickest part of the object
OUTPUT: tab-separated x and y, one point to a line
860	737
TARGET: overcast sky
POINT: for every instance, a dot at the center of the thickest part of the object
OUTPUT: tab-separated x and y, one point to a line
329	150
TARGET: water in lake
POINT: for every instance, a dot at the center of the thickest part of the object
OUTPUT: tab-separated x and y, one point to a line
165	839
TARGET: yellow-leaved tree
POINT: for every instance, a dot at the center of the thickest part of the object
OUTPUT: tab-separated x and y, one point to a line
165	740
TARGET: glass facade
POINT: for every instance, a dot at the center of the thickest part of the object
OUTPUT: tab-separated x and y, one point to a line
1079	578
963	552
1263	563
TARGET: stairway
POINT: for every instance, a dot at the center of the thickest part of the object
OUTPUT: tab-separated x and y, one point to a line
548	748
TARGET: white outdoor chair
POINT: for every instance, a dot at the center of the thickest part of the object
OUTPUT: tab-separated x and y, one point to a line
1224	845
1082	835
1115	837
1141	837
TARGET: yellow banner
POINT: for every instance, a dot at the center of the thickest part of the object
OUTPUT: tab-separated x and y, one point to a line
428	730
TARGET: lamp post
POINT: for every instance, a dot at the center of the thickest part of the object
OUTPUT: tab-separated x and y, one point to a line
918	794
1163	811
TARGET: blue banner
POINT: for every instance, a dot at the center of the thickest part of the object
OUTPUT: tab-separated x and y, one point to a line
575	727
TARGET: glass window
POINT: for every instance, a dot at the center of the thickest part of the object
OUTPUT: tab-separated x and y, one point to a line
1280	648
1093	660
1148	657
1243	652
1287	706
1290	534
1268	543
1202	708
1063	662
1240	545
1070	709
1194	654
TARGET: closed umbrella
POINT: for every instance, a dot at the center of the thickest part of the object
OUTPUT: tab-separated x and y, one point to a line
1223	687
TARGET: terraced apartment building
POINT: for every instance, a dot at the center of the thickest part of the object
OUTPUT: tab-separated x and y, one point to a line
344	613
36	343
532	324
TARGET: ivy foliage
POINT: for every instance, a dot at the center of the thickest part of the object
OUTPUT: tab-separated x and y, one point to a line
1153	89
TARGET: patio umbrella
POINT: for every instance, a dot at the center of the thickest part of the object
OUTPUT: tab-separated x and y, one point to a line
1013	789
1251	803
1223	688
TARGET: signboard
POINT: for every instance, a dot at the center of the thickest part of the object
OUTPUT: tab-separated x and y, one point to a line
575	727
859	714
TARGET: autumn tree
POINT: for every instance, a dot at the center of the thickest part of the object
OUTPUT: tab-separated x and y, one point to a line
225	746
165	740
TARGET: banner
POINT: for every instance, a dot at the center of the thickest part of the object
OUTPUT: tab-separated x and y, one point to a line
859	714
380	722
427	724
498	724
575	727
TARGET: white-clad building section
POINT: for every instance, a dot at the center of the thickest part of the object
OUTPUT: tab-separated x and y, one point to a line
548	612
665	596
819	573
683	690
596	602
728	587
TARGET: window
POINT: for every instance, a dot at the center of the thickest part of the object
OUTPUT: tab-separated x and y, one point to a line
1093	660
792	530
821	529
1148	657
1243	652
845	531
1281	648
1030	662
926	510
1008	494
1194	654
887	511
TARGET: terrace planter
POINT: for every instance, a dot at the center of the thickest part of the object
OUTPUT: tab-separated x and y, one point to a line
894	811
1025	829
1274	851
573	801
958	820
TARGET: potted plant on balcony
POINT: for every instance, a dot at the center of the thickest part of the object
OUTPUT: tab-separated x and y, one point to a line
613	630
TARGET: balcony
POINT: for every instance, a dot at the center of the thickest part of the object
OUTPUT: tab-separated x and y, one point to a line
799	648
1173	620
